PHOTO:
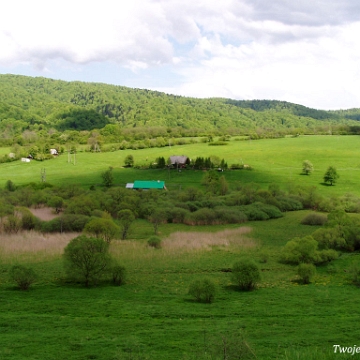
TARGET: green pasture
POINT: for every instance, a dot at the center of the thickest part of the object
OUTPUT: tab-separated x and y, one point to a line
152	317
273	161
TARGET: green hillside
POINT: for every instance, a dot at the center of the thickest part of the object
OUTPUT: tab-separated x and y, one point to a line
37	104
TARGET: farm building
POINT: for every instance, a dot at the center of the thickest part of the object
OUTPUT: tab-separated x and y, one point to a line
147	185
179	161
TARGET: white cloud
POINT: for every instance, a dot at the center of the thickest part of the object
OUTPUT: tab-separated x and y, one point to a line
321	73
296	51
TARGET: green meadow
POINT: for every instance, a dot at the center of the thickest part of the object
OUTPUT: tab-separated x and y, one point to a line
152	316
273	161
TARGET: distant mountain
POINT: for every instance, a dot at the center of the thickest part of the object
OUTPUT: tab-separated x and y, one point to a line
42	104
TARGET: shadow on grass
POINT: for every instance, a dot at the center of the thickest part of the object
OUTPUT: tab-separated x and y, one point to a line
235	288
326	184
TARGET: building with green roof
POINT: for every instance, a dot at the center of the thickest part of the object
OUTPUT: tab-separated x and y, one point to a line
147	185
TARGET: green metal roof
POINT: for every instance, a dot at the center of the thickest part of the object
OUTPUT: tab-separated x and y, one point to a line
149	184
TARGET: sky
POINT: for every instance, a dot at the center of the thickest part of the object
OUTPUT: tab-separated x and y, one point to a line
301	51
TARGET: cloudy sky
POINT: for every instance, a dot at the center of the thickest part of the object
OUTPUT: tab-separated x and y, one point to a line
302	51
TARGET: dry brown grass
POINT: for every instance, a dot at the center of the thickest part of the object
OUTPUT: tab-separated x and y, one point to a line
34	244
44	213
199	240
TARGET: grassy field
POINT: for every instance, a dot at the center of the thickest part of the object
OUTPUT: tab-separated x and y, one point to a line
274	161
152	316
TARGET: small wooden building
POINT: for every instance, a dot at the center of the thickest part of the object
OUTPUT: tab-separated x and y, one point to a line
178	160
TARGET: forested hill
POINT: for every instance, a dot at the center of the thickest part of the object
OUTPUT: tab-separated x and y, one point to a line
28	103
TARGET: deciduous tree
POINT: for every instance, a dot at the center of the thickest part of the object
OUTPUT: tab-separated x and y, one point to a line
126	218
86	259
331	175
308	167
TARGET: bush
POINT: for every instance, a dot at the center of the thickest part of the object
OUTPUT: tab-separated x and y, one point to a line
204	216
155	242
314	219
288	203
246	274
12	224
329	238
306	272
260	211
304	250
226	215
203	290
23	276
65	223
118	274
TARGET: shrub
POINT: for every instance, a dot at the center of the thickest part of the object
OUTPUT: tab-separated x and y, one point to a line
304	250
23	276
288	203
260	211
254	214
178	215
155	242
28	220
118	274
246	274
329	238
65	223
306	272
226	215
10	186
12	224
314	219
203	290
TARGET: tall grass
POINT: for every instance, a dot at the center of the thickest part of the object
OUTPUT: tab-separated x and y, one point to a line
32	246
188	241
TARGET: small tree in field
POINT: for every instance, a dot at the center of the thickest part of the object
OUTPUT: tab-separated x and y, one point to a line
157	217
129	161
203	290
331	176
86	259
126	218
118	274
246	274
306	272
308	167
108	177
23	276
102	228
154	241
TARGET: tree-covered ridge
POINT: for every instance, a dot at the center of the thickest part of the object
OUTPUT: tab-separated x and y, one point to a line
41	104
284	106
